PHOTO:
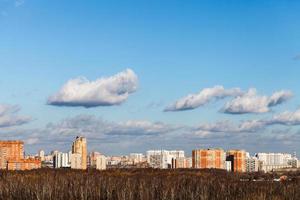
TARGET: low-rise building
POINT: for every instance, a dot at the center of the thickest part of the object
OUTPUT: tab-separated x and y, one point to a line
23	164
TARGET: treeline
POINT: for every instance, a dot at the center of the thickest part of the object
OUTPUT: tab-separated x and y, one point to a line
145	184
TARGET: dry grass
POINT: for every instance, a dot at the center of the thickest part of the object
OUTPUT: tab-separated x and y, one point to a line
144	184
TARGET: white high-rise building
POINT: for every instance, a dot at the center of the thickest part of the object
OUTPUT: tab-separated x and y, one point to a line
62	160
162	158
252	164
271	161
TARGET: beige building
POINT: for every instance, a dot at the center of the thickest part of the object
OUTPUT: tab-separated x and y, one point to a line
76	161
101	162
80	147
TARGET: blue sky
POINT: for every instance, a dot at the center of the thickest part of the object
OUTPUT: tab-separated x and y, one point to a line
175	48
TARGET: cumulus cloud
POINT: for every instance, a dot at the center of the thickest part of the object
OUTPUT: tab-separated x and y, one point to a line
250	102
109	91
9	116
205	96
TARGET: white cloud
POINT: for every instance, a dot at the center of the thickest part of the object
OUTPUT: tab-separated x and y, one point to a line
205	96
229	127
101	134
286	118
92	126
250	102
109	91
9	116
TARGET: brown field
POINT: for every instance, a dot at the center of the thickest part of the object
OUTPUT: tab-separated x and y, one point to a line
145	184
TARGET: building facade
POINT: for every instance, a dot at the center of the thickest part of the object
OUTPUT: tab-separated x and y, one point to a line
237	159
208	158
10	150
24	164
101	162
76	161
80	147
252	164
162	158
12	157
272	161
62	160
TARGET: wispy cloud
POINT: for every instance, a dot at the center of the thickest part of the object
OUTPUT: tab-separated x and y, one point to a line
9	116
297	57
109	91
19	3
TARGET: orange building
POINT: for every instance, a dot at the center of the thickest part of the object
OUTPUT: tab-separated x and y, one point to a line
208	158
10	150
181	163
238	160
12	156
23	164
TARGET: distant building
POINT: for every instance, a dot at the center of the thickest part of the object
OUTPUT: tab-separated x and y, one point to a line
237	159
294	162
101	162
252	164
228	166
208	158
10	150
181	163
41	155
97	161
76	161
137	158
162	158
62	160
12	157
80	147
92	158
23	164
272	161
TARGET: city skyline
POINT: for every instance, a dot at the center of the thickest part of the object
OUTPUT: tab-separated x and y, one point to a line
153	75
